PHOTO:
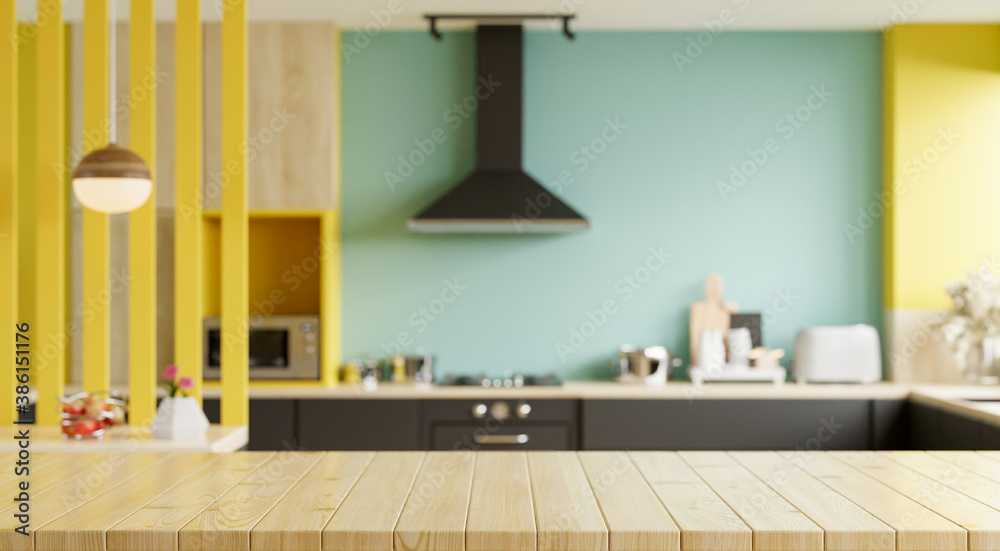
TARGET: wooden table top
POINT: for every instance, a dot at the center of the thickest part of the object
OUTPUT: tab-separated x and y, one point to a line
508	501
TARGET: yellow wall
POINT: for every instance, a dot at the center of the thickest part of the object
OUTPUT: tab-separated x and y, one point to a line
942	158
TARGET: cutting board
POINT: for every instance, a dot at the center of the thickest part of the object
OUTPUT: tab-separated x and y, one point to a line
712	313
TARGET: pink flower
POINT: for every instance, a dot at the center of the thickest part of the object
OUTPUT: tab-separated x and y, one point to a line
170	372
186	383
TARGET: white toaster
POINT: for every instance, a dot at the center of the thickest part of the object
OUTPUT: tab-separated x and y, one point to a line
838	354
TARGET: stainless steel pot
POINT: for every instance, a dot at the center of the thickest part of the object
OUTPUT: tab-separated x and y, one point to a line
413	369
650	365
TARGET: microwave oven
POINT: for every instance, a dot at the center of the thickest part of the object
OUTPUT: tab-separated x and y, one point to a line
281	347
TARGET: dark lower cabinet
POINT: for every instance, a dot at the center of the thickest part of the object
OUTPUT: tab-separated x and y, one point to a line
359	425
725	424
272	423
932	428
890	424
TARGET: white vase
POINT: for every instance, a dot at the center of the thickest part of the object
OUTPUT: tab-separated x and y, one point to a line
179	418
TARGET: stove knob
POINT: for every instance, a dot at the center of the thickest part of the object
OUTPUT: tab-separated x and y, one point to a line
500	411
479	410
523	410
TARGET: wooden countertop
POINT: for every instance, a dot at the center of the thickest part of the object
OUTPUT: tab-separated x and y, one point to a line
218	439
674	390
511	501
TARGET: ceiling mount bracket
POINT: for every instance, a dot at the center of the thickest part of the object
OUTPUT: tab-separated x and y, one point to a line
495	18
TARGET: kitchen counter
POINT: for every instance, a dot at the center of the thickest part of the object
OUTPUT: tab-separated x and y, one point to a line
593	390
484	501
218	439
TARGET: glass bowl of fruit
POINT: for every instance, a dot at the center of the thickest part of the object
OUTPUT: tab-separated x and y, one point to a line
89	414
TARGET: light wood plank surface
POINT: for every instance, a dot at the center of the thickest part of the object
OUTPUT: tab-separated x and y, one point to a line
365	520
979	463
154	527
435	513
566	513
706	522
511	501
982	522
84	529
106	472
847	527
917	527
776	524
297	521
955	475
225	525
635	517
501	514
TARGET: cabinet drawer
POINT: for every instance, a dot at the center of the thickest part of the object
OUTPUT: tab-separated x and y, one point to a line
475	436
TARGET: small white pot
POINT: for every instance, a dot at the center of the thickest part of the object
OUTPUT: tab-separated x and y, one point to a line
179	418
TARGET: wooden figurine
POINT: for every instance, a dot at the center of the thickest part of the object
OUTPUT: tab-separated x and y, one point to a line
711	313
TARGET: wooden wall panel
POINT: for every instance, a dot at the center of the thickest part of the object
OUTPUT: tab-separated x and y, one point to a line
293	137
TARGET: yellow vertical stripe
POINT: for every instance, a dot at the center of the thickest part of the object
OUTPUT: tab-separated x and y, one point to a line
50	332
8	204
330	299
28	191
96	228
142	369
235	357
188	244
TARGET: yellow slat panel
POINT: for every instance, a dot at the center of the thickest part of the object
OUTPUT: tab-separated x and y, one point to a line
330	297
142	222
96	227
235	225
51	335
8	200
188	283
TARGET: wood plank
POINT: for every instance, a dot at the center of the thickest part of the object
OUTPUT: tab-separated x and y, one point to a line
846	526
992	455
566	514
154	527
706	522
365	520
297	521
436	510
85	528
955	475
36	462
982	522
501	515
634	515
225	525
974	461
917	527
109	473
776	525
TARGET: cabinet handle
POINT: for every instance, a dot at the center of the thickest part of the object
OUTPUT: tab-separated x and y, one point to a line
500	438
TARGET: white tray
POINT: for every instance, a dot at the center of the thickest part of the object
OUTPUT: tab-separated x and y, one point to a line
732	373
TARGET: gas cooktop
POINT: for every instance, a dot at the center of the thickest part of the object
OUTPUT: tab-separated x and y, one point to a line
509	380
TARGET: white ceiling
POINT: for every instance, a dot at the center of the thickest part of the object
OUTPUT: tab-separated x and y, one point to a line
602	14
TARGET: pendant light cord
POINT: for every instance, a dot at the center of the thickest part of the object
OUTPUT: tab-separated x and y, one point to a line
112	70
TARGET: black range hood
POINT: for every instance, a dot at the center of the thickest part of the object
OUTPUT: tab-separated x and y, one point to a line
499	197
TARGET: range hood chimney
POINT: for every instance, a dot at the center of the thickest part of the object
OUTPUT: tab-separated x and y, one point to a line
498	197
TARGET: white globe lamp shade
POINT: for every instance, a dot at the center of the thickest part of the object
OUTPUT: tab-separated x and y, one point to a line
112	180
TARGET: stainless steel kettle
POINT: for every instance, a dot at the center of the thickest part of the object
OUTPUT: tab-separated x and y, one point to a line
650	365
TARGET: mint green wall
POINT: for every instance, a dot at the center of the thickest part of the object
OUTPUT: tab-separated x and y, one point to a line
655	186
